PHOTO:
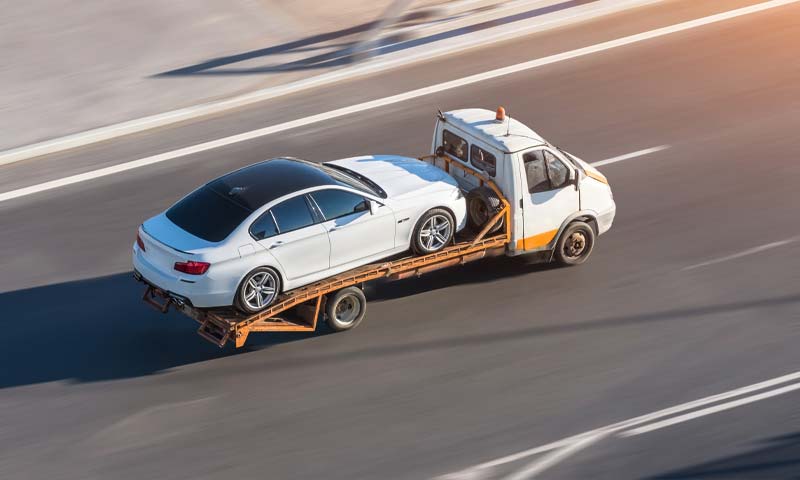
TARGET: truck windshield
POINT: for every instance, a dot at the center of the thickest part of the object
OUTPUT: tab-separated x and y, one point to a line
574	161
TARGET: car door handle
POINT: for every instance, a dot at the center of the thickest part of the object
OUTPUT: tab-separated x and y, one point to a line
276	244
333	229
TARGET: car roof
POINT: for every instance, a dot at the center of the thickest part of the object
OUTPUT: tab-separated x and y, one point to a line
508	136
259	184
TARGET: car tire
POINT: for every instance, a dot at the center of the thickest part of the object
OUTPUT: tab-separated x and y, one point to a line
345	309
482	205
434	231
575	244
258	290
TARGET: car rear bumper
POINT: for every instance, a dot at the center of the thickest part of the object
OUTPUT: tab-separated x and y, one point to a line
196	292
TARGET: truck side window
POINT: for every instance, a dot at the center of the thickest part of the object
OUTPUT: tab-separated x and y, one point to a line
483	160
455	145
558	172
536	172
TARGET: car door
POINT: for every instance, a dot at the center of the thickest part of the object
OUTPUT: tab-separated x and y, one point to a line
551	196
356	230
291	234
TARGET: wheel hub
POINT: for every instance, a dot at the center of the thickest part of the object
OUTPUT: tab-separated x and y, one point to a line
576	244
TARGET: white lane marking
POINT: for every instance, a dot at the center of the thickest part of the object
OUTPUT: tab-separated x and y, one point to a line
472	472
340	112
745	253
628	156
553	458
711	410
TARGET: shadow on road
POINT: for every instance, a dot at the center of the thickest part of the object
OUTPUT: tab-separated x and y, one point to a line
98	329
343	52
777	459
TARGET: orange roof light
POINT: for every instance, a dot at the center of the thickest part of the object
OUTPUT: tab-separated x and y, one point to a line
501	114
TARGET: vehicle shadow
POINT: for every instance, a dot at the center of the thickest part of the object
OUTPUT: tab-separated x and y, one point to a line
343	52
777	459
481	271
99	329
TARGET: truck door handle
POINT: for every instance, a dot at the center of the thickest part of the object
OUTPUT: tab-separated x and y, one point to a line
276	244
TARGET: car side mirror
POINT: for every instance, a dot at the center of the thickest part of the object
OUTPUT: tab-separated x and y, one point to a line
373	206
575	178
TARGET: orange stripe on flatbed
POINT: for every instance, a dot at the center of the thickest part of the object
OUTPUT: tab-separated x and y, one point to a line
536	241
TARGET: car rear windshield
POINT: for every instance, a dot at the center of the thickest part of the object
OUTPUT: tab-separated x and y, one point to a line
208	214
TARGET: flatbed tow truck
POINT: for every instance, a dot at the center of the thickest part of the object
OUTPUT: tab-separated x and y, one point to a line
300	309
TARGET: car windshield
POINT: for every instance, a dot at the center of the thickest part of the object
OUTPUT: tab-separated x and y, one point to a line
208	214
353	179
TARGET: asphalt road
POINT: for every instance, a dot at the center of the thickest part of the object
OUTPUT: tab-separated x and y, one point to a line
464	365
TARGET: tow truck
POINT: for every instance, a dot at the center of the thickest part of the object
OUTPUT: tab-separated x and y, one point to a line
524	196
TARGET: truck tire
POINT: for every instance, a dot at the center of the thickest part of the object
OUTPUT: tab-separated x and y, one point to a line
434	231
575	244
482	205
345	309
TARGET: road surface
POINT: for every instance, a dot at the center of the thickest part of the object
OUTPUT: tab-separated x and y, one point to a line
693	293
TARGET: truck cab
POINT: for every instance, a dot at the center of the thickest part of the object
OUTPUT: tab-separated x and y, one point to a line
549	190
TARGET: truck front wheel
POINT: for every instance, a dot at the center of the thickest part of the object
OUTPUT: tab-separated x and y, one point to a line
575	244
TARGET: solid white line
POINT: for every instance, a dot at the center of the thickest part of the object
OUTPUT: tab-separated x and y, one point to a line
745	253
340	112
628	156
553	458
708	411
624	425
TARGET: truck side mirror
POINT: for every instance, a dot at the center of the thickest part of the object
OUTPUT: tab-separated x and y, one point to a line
575	178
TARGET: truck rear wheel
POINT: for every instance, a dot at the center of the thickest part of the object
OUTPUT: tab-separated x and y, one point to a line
575	244
482	205
345	309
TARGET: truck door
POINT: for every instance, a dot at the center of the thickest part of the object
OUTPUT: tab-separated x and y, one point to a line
548	198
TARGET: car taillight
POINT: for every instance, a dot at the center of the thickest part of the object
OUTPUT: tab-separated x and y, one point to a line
140	242
192	268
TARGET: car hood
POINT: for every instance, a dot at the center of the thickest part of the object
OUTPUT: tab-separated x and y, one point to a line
400	176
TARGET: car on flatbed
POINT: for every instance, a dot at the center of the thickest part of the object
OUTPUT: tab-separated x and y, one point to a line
247	236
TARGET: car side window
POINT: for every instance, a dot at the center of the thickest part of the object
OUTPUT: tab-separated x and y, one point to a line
483	160
292	214
264	227
558	172
536	172
455	145
338	203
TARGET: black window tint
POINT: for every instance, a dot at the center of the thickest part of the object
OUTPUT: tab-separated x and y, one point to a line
557	170
338	203
207	214
455	145
292	214
483	160
264	227
536	172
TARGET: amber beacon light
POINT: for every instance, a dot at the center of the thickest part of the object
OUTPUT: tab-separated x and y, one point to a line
501	114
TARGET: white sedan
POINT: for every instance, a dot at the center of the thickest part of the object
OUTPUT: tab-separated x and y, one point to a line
254	233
